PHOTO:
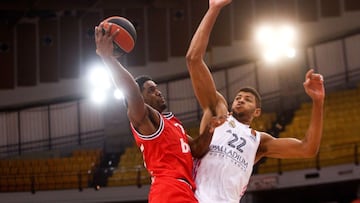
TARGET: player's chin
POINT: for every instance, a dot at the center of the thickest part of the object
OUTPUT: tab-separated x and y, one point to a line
238	112
163	106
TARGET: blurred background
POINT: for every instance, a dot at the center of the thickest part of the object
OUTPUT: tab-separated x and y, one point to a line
64	134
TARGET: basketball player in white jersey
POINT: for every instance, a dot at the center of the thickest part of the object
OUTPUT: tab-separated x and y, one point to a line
222	175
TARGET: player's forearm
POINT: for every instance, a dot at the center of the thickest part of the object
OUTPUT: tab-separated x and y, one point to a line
121	77
201	37
203	84
200	145
313	136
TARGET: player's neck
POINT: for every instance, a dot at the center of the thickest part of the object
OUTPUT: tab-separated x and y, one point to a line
242	119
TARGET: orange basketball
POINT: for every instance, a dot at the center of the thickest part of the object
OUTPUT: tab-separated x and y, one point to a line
125	40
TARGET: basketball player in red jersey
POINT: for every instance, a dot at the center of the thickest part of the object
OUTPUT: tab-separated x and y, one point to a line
166	148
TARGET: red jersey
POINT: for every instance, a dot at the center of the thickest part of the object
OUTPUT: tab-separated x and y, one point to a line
166	153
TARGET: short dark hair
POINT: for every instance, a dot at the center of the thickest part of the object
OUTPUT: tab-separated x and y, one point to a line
140	80
254	92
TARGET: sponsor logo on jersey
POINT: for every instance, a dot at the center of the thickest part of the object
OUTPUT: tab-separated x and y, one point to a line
234	155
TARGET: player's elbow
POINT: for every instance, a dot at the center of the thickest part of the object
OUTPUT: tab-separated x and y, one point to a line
310	152
190	55
192	59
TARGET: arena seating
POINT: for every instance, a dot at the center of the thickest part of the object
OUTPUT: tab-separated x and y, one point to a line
75	171
130	169
340	142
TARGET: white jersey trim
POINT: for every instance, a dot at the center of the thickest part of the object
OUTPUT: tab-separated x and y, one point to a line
154	135
168	115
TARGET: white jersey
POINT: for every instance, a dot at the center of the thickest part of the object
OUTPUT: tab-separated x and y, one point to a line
222	175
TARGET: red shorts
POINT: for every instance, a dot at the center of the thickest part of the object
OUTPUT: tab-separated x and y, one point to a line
165	190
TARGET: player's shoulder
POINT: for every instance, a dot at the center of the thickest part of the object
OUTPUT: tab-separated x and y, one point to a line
263	145
264	137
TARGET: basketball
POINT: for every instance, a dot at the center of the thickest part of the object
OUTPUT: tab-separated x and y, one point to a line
125	40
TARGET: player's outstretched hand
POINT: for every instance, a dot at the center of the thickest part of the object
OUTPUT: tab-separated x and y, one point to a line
314	85
218	3
104	40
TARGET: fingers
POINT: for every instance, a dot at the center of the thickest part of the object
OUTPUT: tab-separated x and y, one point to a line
106	30
308	74
97	31
311	76
218	120
115	33
103	28
316	76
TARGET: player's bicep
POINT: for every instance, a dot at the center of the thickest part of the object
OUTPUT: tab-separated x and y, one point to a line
137	109
280	147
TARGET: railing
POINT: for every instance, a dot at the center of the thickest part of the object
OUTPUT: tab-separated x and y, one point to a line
96	136
33	183
72	180
32	174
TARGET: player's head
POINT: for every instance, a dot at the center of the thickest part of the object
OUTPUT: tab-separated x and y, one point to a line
246	104
150	92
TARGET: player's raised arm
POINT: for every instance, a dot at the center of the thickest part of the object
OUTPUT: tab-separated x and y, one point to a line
122	78
203	83
309	145
211	101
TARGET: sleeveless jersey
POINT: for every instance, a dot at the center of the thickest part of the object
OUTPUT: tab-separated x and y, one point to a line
222	175
166	152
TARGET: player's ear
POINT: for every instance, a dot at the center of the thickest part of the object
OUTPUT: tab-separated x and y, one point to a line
257	112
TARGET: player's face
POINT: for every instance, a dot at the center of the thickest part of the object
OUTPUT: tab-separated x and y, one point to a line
153	97
244	107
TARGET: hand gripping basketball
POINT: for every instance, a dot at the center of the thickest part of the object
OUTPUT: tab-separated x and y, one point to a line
125	39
